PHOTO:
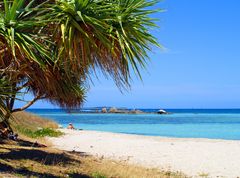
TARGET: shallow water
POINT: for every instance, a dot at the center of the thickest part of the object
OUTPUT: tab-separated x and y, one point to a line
187	123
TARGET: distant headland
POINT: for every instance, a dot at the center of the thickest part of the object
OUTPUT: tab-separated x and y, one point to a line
114	110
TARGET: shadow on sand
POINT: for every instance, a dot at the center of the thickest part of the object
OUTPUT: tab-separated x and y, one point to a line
37	155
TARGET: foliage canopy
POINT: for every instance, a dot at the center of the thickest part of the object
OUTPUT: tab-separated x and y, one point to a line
51	48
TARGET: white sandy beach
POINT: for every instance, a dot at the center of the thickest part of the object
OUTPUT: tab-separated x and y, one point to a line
190	156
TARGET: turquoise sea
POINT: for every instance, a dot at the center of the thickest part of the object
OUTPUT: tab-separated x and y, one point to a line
188	123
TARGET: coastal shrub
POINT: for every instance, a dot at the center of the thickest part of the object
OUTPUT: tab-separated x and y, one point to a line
49	132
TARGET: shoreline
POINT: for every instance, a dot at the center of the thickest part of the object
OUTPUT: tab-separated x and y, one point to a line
63	129
191	156
159	136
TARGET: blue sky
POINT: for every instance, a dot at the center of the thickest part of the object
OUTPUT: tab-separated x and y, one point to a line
198	69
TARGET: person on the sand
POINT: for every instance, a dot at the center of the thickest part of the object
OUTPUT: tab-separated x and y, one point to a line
70	126
13	136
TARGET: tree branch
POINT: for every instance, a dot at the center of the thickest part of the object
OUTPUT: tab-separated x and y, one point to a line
23	86
12	100
8	70
7	100
30	103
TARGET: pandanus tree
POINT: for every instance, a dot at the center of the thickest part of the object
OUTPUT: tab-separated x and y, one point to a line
51	48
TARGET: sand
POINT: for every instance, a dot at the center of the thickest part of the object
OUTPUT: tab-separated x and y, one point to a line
193	157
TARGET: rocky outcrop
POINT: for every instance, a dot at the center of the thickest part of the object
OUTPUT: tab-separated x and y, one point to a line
124	111
136	112
113	110
104	110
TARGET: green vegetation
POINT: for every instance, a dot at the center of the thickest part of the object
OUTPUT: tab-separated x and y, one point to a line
51	48
32	126
39	133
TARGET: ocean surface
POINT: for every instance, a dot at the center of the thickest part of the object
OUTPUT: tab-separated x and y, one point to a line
184	123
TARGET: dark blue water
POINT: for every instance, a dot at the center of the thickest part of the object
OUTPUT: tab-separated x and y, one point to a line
189	123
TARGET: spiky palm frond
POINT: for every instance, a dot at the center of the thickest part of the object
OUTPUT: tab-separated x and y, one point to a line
112	35
26	59
49	47
19	40
57	87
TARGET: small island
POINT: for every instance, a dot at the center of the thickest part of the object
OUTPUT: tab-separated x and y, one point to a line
115	110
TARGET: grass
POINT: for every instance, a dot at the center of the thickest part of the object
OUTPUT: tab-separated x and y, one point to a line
43	132
25	159
30	126
32	121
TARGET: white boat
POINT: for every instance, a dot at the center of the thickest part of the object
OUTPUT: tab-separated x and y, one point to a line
161	111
